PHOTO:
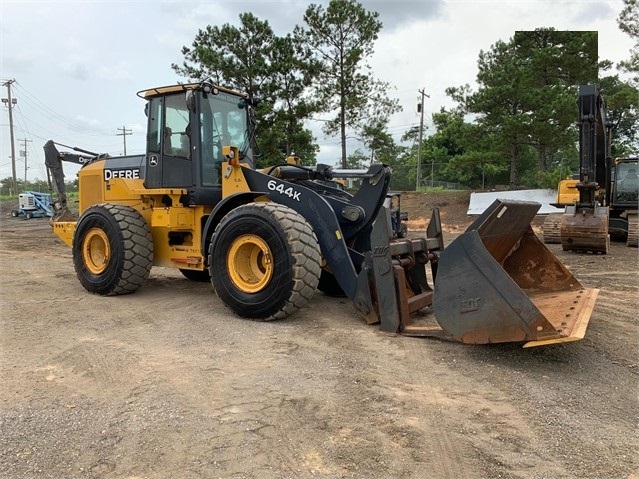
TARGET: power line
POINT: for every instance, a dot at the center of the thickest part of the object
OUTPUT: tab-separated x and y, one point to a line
54	116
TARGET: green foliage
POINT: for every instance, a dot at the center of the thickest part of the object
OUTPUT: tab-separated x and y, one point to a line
549	178
358	160
38	185
525	104
622	111
319	68
252	59
628	21
340	37
523	129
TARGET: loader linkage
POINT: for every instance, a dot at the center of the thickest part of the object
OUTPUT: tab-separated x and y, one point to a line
497	282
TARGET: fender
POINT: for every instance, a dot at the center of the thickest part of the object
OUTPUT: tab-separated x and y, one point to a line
220	210
320	215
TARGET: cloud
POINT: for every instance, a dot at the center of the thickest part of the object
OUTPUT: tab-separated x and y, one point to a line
398	14
592	11
76	67
86	60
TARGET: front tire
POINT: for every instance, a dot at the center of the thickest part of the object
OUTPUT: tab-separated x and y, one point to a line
112	250
264	261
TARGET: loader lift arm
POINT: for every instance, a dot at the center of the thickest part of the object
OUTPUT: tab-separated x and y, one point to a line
367	271
496	283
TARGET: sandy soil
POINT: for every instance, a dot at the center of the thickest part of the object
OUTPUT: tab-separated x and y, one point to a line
166	383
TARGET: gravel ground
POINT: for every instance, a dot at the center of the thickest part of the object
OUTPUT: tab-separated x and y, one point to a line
166	383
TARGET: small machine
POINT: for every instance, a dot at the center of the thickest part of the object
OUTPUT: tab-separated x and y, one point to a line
33	204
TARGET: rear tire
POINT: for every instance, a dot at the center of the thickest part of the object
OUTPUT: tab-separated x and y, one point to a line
112	250
264	261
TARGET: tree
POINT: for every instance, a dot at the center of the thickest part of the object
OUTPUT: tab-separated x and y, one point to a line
291	75
622	111
500	104
376	138
628	21
234	57
553	62
252	59
358	160
340	38
525	101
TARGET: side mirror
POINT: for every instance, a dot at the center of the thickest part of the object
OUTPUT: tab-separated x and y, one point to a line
190	100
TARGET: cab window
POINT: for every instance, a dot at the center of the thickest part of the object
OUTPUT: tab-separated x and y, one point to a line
177	135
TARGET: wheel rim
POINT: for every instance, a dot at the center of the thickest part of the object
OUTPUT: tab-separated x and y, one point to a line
249	263
96	251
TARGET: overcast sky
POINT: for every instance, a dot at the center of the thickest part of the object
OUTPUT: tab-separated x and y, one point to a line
78	65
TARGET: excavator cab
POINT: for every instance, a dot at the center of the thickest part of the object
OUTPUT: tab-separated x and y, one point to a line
624	200
626	182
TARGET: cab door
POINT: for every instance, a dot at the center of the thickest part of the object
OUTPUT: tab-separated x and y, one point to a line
169	150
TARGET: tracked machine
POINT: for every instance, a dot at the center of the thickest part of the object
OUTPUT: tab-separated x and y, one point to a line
268	239
603	201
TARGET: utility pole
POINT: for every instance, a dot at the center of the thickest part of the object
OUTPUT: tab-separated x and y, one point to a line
124	133
420	108
10	102
24	153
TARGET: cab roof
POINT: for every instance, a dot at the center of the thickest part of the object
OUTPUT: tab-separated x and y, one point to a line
165	90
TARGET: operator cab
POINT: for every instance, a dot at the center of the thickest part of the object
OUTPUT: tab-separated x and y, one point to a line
187	127
626	185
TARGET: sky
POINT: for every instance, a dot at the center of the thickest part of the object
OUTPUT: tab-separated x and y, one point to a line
78	65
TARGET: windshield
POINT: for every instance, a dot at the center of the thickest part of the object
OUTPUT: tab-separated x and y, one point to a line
627	187
224	122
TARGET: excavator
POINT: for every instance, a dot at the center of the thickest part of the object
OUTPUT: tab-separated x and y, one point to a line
603	200
268	239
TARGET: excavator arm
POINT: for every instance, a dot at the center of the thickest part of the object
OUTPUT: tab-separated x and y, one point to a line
53	160
584	224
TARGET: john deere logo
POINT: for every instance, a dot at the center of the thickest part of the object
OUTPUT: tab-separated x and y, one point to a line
153	160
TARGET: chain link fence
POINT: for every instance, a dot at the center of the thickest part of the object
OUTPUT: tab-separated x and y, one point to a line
405	178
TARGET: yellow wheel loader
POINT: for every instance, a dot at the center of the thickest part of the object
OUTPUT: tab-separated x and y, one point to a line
267	240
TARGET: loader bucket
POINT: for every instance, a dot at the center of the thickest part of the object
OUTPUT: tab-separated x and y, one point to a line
498	283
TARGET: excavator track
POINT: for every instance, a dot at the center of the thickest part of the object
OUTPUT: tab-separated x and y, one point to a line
552	228
633	230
